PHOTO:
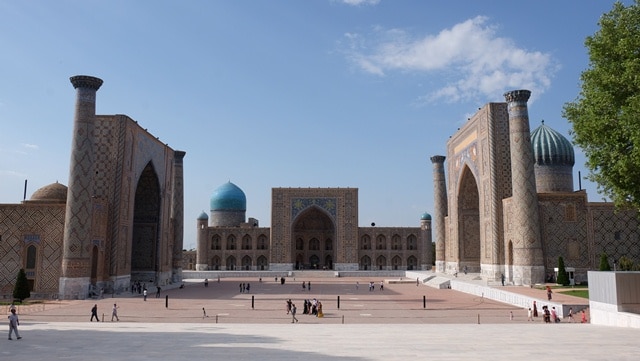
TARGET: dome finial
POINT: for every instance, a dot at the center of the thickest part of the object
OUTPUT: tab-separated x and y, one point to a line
542	121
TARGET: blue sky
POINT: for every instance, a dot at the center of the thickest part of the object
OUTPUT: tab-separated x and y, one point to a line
289	93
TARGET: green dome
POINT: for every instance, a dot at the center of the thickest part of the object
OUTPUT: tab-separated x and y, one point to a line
425	217
228	197
203	216
551	148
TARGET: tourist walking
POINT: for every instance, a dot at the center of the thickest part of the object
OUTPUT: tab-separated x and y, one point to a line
571	320
583	317
204	313
13	324
549	293
94	313
294	309
114	312
288	306
144	294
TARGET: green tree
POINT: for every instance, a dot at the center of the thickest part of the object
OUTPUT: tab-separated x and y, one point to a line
563	277
21	289
605	115
604	263
626	264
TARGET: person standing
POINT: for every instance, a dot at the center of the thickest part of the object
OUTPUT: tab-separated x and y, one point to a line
13	324
535	309
289	303
381	285
529	315
94	313
309	286
571	315
158	289
294	309
144	294
114	312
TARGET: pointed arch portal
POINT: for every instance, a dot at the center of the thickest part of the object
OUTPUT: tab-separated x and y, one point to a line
311	226
146	223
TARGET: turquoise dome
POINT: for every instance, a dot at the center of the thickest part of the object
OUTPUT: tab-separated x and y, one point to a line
203	216
228	197
425	217
551	148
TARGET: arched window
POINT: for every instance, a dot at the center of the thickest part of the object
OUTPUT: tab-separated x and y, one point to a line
365	242
314	244
246	263
365	263
215	242
231	242
32	253
328	244
231	263
396	262
381	262
262	242
395	243
246	242
412	263
299	244
412	243
381	242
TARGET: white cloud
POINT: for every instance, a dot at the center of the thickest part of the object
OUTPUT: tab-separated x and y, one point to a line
360	2
469	59
30	146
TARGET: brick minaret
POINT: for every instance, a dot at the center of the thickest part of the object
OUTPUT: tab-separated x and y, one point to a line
440	209
528	266
76	261
177	214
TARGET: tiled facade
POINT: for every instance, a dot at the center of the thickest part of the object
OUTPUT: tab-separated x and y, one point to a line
122	217
495	222
313	228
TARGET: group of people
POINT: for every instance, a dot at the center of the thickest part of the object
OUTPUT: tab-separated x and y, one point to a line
245	287
551	315
310	307
114	313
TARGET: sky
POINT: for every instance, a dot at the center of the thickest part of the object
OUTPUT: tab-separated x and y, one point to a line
286	93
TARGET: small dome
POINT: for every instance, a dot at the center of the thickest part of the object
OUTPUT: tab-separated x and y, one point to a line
228	197
425	217
203	216
54	192
551	148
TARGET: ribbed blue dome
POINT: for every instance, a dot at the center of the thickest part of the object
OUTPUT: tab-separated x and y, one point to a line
228	197
551	148
203	216
425	217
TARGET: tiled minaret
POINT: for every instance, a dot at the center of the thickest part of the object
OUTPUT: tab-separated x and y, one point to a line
177	214
440	209
76	261
528	265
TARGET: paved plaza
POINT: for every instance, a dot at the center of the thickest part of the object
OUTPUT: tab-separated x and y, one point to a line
393	324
